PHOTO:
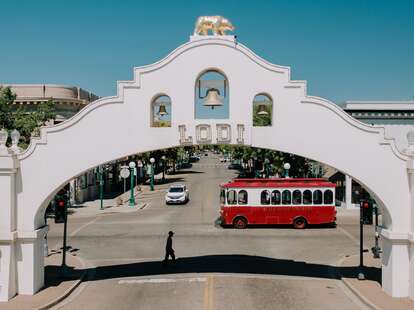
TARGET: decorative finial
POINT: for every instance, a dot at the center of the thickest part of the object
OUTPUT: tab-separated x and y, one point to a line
410	139
3	140
217	24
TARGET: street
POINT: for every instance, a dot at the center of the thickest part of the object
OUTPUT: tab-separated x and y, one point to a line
217	268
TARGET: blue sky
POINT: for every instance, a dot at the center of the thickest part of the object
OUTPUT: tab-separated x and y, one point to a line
346	50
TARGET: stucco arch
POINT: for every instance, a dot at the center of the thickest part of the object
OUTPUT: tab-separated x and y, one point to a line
304	125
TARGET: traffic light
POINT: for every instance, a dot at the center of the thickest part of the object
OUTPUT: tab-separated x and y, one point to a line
367	212
60	209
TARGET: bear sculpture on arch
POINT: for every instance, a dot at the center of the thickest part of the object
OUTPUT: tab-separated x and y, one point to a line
217	24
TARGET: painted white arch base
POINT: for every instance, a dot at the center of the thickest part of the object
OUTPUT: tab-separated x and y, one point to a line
304	125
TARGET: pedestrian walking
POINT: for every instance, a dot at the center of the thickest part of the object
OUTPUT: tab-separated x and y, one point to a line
169	251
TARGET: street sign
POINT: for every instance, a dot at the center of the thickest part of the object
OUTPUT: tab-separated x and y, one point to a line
124	173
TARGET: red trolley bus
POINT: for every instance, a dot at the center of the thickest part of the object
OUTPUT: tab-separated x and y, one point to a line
277	201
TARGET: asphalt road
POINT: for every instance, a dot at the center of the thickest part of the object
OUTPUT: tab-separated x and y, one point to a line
217	268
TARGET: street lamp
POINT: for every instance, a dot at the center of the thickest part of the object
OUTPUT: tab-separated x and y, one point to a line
101	184
132	166
286	166
163	167
3	140
140	165
152	161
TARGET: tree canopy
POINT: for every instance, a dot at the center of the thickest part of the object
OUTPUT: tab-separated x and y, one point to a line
26	122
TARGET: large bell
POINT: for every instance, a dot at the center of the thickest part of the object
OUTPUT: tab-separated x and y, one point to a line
162	111
213	98
261	110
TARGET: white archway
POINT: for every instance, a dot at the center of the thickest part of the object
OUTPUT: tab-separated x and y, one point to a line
304	125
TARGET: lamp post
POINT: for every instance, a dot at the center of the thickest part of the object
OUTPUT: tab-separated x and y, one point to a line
140	165
286	166
152	161
267	162
132	166
254	167
101	184
163	167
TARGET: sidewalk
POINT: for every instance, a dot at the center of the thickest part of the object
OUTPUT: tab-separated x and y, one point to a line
56	288
369	290
120	203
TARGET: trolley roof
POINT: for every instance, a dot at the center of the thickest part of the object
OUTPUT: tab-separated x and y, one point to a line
285	182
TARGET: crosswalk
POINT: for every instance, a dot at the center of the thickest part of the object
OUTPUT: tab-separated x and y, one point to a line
211	165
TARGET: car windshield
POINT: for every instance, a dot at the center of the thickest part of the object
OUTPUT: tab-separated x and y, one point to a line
176	190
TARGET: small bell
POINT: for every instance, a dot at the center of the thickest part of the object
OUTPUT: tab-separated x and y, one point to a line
162	111
262	110
213	98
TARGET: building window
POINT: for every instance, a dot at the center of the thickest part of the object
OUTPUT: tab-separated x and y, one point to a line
276	197
328	197
265	198
297	197
262	110
211	96
161	111
286	197
231	197
242	197
307	197
317	197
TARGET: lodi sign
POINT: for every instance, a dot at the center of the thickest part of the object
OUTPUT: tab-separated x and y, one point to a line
202	92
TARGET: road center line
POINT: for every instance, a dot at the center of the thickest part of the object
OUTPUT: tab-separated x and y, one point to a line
82	227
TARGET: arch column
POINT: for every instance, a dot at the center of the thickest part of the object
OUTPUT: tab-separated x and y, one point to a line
9	166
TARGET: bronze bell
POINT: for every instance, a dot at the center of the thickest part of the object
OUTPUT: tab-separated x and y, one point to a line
262	110
213	98
162	111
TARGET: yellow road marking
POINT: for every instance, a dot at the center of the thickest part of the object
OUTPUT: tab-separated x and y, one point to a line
209	294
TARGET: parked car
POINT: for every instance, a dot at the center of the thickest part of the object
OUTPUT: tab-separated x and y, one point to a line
235	167
177	193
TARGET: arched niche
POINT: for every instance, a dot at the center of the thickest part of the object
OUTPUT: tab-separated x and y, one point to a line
161	109
262	110
211	95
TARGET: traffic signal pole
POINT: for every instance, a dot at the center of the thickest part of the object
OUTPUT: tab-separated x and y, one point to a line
361	275
65	226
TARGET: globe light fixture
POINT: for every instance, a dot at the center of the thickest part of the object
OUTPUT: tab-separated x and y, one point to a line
152	160
132	166
286	166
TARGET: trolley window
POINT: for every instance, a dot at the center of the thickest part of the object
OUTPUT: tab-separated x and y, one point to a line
328	197
231	197
286	197
317	197
307	197
276	197
265	198
297	197
242	197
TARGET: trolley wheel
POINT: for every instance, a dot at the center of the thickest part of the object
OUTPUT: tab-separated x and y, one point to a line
299	223
240	223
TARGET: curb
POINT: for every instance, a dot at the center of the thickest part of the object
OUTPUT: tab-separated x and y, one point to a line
352	288
68	291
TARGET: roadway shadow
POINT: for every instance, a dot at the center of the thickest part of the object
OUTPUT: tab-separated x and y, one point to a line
232	264
243	264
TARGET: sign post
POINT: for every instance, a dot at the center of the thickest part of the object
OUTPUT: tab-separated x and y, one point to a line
124	173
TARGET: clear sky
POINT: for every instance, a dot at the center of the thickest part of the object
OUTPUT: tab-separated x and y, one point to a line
346	50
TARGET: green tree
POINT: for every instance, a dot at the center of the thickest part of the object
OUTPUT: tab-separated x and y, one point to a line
26	122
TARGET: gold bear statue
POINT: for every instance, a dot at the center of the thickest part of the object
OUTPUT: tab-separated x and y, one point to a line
217	24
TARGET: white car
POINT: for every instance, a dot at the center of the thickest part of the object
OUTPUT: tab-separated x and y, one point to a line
177	194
